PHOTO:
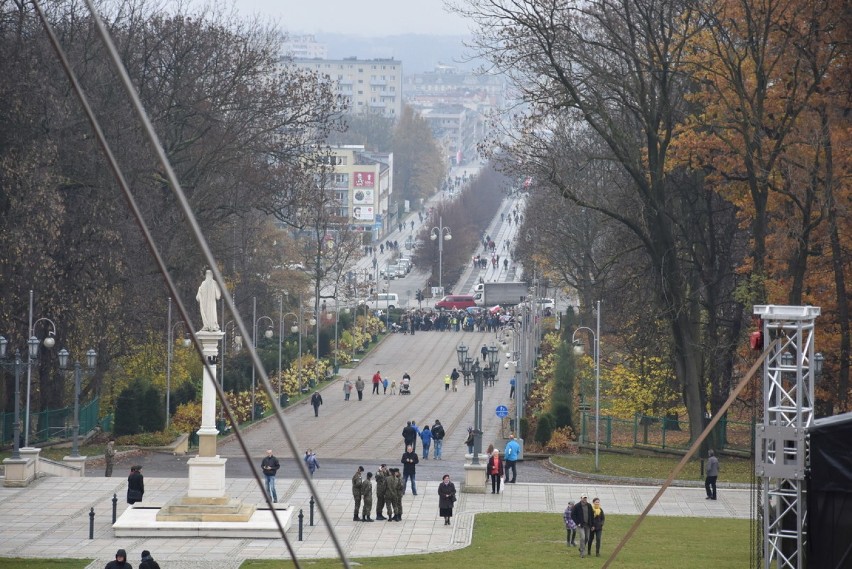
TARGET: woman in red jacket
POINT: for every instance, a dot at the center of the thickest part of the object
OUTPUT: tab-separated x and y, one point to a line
494	469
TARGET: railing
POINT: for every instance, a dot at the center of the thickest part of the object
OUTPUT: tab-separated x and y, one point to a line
52	424
661	432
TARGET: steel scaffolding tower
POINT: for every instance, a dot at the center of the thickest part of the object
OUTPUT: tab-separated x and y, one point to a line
781	451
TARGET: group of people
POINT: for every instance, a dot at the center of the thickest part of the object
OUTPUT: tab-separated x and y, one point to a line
389	491
426	320
585	521
429	437
120	561
380	383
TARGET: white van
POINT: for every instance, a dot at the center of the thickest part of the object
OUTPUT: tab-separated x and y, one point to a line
384	300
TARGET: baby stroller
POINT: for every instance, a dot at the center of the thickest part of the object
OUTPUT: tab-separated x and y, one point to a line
405	386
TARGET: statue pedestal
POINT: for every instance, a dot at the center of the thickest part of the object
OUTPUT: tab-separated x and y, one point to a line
205	500
206	477
21	471
474	478
77	462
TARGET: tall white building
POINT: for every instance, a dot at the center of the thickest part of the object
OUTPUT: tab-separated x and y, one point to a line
369	85
304	47
363	184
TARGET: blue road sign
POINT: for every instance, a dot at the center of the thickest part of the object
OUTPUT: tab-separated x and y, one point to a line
502	411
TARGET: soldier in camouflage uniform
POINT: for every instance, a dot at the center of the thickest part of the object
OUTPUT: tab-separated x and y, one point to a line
381	488
393	494
356	492
367	496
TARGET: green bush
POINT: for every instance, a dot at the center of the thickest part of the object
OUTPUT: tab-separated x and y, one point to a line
562	414
161	438
545	429
127	410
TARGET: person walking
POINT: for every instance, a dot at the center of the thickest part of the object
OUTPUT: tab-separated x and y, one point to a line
311	461
512	452
426	438
596	527
446	383
570	525
359	387
135	485
109	457
469	440
512	387
385	384
494	469
409	435
409	464
316	401
712	475
347	389
446	498
356	492
484	352
120	561
454	377
393	387
367	497
148	561
269	466
438	434
582	515
377	379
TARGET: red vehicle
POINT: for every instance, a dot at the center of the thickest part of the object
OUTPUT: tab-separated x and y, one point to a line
455	302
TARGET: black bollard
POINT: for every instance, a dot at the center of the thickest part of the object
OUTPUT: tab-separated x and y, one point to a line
312	511
114	507
92	523
301	523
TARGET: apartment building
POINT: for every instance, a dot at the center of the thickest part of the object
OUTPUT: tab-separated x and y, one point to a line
369	85
363	184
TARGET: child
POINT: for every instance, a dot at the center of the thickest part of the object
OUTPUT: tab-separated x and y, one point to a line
393	387
570	525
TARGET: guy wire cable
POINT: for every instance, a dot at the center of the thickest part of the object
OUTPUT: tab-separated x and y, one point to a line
180	196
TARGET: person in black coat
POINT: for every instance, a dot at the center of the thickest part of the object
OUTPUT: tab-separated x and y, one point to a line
446	498
583	516
316	401
135	485
148	561
120	561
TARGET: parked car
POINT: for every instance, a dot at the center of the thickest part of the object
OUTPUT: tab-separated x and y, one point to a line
392	272
383	300
455	302
405	263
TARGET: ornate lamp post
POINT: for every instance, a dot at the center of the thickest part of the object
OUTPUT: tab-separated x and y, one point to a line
493	363
440	233
267	334
17	364
597	356
91	362
461	352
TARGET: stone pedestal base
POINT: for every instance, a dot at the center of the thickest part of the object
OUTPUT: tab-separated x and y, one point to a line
206	477
207	444
474	478
20	472
222	509
76	461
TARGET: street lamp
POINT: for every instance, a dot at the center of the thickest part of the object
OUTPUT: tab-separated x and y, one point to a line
267	334
493	363
464	362
49	342
294	329
596	335
16	364
91	361
441	233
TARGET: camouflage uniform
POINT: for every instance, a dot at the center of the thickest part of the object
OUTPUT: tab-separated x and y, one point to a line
381	488
367	496
356	492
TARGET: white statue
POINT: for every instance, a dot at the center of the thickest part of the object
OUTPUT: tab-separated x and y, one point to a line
208	294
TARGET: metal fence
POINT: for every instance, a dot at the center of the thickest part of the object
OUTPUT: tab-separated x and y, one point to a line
52	424
661	432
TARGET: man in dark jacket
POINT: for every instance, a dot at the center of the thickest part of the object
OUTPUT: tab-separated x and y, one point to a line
316	401
438	434
148	561
408	435
120	561
409	462
135	485
270	465
583	515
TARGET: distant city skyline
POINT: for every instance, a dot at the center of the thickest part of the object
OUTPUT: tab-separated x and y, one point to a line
369	18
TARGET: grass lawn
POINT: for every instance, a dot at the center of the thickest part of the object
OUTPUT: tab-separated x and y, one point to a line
533	541
635	466
20	563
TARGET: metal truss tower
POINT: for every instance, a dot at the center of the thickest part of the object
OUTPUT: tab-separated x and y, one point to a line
781	451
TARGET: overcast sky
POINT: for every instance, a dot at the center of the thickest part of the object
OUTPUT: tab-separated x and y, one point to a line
361	17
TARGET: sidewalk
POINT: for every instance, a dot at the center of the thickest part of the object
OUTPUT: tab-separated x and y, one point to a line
50	519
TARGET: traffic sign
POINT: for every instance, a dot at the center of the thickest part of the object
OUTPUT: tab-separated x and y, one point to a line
502	411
